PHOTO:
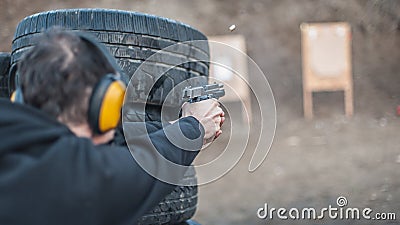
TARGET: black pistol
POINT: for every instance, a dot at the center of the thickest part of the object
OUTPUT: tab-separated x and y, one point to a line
197	94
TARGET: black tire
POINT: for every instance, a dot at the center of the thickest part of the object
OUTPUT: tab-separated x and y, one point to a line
178	206
132	38
5	59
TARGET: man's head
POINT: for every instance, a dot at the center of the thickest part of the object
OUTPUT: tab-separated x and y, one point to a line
59	73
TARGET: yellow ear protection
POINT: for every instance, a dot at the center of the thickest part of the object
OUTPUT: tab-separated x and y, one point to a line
17	96
106	100
107	97
105	104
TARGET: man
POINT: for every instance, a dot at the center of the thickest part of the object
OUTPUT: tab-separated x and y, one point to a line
55	168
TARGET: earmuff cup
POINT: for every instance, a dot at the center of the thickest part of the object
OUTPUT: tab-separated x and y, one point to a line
105	104
17	96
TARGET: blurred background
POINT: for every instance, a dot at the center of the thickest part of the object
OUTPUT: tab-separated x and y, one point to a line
311	162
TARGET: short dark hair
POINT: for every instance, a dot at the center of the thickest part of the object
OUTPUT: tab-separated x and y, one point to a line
58	74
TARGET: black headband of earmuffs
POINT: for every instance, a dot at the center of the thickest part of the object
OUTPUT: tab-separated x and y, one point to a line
14	82
91	40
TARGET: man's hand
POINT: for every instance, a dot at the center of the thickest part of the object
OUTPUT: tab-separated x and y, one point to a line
209	114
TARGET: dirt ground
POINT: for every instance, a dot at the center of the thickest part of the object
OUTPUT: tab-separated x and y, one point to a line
311	163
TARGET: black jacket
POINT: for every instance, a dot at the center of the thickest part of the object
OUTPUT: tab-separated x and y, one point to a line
50	176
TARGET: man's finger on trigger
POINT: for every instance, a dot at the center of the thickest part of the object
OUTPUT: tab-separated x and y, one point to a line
216	115
215	102
218	111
